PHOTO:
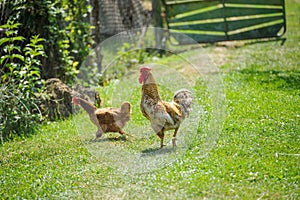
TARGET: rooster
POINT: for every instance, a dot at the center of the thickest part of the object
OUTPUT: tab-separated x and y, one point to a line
106	119
163	115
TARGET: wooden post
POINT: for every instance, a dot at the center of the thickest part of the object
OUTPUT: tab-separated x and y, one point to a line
158	22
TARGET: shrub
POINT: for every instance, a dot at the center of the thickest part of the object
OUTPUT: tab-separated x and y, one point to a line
65	28
20	81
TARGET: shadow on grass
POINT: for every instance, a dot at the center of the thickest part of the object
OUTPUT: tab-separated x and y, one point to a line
108	139
157	151
276	79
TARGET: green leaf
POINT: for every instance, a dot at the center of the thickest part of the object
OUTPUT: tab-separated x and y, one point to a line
28	50
4	40
35	73
17	48
3	58
5	26
11	32
14	25
38	54
18	56
39	46
18	38
36	39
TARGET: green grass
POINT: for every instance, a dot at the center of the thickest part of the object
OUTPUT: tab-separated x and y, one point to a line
255	156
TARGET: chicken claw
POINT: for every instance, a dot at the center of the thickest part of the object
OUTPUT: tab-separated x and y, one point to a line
174	141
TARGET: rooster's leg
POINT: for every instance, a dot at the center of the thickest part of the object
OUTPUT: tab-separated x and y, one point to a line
98	134
161	135
174	138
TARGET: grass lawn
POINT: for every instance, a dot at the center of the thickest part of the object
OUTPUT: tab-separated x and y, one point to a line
256	155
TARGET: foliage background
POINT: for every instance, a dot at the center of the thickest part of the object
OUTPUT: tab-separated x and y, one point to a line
64	26
40	39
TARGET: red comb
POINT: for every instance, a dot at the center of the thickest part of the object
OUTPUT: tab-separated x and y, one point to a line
145	69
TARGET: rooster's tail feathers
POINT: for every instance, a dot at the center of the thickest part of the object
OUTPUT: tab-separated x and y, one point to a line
184	98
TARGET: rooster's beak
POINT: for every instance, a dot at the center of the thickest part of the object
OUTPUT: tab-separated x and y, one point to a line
141	79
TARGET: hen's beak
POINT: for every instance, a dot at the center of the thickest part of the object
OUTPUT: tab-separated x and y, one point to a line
74	101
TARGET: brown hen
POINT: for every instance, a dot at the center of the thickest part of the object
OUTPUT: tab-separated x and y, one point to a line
106	119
